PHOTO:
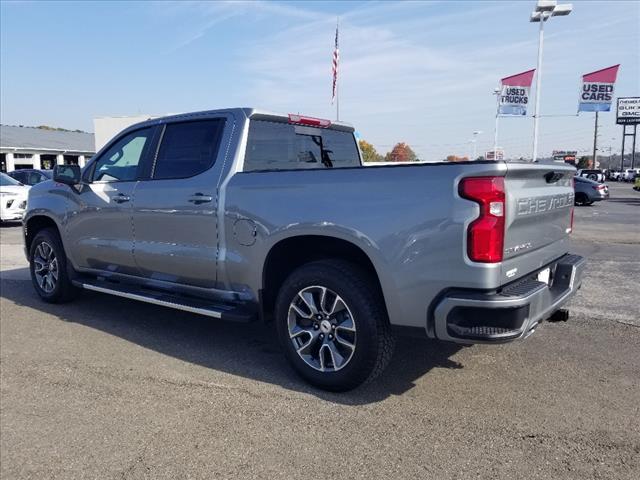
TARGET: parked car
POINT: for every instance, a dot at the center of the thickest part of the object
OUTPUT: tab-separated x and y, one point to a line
614	175
589	191
30	176
591	174
246	215
13	198
629	174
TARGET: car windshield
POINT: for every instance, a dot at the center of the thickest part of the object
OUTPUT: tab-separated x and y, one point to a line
6	181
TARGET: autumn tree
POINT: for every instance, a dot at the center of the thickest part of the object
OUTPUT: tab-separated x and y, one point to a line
369	153
455	158
585	162
401	152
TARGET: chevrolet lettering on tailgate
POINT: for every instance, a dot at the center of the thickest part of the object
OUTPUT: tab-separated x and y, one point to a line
535	205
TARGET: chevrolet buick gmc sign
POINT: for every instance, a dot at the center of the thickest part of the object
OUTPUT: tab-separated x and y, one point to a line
628	111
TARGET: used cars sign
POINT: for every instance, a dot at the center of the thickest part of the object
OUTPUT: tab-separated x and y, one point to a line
596	93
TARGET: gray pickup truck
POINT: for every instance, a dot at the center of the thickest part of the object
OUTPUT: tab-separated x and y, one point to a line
246	215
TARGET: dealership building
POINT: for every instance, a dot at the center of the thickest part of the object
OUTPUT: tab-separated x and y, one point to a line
42	148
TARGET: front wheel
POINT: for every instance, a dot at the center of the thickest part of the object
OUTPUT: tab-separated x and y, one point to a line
48	266
332	325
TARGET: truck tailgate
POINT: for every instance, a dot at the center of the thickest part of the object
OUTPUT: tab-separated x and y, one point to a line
539	206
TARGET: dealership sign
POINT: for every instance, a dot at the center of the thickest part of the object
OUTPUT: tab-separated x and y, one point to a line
514	94
628	111
597	89
498	154
566	156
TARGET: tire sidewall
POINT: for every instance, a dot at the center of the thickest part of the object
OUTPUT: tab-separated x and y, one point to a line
366	350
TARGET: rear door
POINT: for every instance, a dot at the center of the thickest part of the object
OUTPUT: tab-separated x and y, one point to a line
175	208
539	206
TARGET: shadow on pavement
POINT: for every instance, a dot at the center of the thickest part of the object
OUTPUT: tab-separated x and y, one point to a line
247	350
626	200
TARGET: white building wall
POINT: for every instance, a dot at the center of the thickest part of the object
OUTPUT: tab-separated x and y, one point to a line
106	128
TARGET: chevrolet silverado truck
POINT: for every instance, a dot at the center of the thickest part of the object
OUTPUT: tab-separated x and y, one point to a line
246	215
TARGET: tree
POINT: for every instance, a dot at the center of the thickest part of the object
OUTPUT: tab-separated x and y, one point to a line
585	162
401	152
369	153
455	158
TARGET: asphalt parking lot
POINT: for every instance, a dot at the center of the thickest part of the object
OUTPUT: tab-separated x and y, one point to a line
110	388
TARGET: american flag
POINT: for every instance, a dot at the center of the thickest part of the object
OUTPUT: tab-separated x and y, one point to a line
336	60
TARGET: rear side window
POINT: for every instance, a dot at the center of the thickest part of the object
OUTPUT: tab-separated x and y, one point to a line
283	146
188	148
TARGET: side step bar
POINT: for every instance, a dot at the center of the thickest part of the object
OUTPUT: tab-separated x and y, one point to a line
234	313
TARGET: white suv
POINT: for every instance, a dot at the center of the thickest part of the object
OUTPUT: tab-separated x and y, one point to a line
595	175
629	173
13	198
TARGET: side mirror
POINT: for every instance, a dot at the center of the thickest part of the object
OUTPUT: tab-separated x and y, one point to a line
67	174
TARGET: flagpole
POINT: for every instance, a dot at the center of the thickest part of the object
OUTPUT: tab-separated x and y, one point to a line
337	74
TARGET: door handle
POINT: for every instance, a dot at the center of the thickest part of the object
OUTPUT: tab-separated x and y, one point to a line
121	198
199	198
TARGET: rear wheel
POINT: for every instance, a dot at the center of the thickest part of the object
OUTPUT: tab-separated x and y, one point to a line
581	199
48	266
332	325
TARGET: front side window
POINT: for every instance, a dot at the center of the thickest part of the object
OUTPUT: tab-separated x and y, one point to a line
188	148
283	146
120	162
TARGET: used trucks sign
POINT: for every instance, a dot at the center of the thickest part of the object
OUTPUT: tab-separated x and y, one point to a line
628	112
514	94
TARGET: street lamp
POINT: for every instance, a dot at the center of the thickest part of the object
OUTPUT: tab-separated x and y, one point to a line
474	141
545	9
497	92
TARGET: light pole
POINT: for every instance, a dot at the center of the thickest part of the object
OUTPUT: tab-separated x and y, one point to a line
474	141
545	9
497	92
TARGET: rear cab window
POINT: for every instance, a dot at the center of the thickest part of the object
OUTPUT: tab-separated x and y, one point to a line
188	148
285	146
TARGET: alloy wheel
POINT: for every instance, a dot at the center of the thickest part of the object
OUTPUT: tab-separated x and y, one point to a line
45	267
322	329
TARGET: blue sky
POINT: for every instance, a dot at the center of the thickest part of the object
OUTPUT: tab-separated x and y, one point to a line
420	72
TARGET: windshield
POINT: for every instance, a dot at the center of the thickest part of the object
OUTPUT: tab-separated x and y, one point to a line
6	181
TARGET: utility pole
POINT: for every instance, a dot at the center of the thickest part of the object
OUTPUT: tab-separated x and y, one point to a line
595	143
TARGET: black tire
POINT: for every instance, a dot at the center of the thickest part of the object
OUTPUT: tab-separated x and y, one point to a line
373	341
592	176
581	199
63	290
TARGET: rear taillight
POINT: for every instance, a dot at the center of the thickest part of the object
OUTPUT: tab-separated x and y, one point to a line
599	187
485	236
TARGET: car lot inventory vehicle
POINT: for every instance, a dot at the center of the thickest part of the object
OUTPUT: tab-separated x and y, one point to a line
589	191
591	174
30	176
629	174
246	215
13	198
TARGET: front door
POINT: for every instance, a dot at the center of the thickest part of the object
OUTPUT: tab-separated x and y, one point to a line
175	209
99	223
